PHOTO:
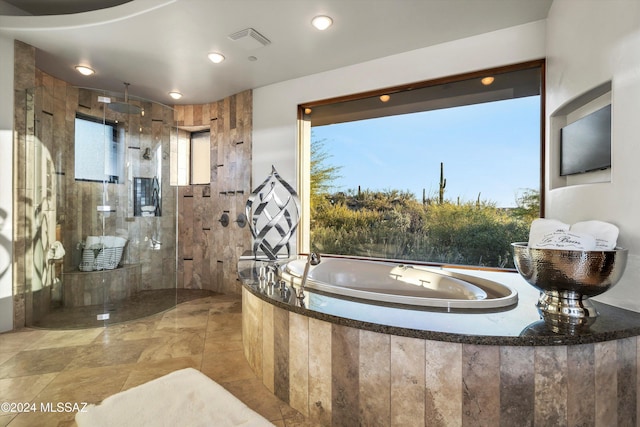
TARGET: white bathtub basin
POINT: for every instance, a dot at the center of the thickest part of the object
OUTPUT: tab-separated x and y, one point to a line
401	284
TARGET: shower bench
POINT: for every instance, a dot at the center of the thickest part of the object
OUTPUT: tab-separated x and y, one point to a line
83	288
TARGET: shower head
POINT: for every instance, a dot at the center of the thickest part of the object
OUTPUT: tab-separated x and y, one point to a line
125	107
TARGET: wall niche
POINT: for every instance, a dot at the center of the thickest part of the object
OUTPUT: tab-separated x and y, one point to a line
574	111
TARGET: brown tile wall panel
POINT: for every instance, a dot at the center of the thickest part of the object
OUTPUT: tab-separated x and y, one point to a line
374	379
299	363
267	346
178	115
606	379
188	115
186	228
187	273
201	271
517	392
481	385
219	274
281	353
24	78
581	402
443	379
627	382
551	386
320	371
230	268
345	355
197	115
206	114
252	336
407	381
230	187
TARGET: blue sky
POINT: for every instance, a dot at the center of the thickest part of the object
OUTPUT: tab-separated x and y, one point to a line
491	148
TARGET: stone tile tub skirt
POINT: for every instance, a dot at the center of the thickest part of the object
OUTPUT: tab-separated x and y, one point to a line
344	375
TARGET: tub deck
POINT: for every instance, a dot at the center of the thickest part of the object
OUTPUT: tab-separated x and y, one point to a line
401	284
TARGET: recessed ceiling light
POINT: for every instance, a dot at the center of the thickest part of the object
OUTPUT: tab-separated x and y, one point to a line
216	57
307	110
84	70
322	22
487	80
384	98
175	95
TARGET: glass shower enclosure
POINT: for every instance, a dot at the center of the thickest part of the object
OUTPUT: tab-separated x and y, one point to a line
101	213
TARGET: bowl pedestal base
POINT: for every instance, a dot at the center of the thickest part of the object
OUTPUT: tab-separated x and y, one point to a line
566	311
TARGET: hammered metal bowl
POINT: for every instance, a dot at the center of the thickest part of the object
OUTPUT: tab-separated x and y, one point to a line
567	278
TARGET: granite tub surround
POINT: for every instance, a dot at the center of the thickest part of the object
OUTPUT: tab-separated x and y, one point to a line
343	363
519	324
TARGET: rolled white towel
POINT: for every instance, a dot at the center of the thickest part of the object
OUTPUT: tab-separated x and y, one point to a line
148	208
108	241
566	240
56	251
92	241
119	242
606	234
541	227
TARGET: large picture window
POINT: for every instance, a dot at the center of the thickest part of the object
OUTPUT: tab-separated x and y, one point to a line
445	172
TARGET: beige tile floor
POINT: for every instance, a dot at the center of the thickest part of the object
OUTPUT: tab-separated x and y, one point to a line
88	365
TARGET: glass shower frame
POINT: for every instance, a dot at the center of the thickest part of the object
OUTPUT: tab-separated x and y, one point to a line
62	290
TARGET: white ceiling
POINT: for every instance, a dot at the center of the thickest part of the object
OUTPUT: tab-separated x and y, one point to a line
162	45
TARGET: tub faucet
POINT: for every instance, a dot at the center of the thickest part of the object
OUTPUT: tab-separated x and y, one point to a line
312	259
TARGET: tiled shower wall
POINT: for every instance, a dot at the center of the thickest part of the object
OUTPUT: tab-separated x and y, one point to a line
343	376
208	252
24	78
50	205
56	105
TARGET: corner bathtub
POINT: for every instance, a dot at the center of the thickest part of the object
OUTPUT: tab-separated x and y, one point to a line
401	284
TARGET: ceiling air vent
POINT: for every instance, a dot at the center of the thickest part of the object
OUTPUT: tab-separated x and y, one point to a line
249	39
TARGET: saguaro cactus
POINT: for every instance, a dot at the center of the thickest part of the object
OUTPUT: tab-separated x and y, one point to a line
443	184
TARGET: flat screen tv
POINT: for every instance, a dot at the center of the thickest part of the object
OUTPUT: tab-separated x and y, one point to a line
585	145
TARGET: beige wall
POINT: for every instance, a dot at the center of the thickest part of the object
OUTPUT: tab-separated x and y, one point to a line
275	107
589	44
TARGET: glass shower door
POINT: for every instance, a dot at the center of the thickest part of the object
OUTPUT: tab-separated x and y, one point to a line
100	221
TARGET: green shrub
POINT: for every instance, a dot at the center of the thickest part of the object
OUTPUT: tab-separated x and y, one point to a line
392	224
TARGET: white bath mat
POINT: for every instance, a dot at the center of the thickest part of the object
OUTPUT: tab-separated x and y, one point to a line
182	398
